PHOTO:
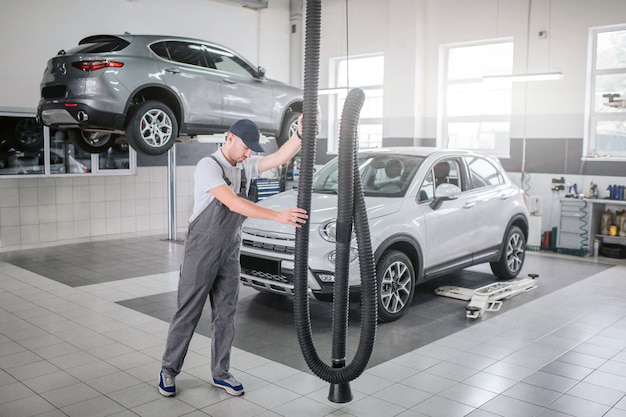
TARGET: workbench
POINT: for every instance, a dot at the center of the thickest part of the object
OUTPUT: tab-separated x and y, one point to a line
581	221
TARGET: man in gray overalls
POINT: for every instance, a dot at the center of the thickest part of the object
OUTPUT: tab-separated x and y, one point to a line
210	265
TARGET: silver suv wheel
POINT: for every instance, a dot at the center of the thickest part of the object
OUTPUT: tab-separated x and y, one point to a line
290	126
92	142
152	128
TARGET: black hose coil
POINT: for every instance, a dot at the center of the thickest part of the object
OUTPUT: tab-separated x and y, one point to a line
351	210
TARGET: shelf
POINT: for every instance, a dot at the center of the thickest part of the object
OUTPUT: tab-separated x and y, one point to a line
606	201
620	240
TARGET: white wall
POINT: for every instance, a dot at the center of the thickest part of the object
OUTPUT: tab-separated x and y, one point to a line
32	31
410	32
37	211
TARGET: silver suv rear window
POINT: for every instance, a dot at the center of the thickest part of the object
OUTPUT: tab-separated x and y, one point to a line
99	45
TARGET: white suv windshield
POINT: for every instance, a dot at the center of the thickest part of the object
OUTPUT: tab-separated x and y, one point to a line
382	175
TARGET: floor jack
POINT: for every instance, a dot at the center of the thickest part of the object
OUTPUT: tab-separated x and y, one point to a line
488	297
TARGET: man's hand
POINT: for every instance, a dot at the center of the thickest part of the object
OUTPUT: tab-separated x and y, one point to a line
294	216
289	149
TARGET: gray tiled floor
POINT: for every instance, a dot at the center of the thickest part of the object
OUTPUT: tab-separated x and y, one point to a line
82	329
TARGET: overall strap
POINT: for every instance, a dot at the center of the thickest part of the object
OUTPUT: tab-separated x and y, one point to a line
244	180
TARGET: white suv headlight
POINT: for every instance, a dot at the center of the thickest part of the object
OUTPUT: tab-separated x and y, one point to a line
328	231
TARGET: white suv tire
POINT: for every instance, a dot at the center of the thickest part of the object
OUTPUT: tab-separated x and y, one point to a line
396	285
512	258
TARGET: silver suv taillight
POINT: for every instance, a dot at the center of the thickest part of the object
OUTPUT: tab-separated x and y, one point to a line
96	65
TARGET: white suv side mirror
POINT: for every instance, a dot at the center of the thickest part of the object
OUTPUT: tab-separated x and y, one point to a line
444	192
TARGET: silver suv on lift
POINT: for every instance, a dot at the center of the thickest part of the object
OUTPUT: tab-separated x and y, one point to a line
153	89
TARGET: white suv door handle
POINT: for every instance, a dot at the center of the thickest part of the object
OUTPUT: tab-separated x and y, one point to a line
469	205
173	70
229	81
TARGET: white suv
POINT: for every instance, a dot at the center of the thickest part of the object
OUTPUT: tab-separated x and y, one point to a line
430	212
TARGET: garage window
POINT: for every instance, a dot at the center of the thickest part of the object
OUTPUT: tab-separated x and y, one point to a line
365	72
605	130
28	149
475	114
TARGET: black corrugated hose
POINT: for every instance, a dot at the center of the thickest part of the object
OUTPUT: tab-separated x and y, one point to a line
351	210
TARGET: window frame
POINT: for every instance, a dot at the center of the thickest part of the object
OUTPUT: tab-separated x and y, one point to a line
444	119
337	95
96	170
592	117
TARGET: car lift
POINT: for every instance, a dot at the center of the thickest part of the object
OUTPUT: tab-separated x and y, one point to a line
488	297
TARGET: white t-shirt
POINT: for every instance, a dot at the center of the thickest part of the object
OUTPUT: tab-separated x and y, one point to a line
208	175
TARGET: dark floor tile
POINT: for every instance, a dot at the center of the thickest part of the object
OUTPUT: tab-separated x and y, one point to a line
99	257
276	353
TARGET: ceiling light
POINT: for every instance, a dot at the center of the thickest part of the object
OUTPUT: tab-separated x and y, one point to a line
544	76
330	91
254	4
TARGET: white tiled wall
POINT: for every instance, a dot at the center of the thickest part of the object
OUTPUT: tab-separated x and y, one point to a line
47	210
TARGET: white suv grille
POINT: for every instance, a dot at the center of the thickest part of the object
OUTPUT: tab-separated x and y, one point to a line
270	241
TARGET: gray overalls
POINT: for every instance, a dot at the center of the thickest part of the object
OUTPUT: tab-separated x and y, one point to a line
210	268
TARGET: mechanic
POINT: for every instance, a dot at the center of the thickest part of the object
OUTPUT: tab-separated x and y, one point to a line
210	266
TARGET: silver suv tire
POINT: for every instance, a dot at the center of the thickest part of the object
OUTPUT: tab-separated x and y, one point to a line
290	126
92	142
151	128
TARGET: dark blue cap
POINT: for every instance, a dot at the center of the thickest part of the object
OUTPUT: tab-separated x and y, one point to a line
248	132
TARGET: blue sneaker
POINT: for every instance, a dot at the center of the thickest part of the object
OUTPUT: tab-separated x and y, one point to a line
230	385
167	386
